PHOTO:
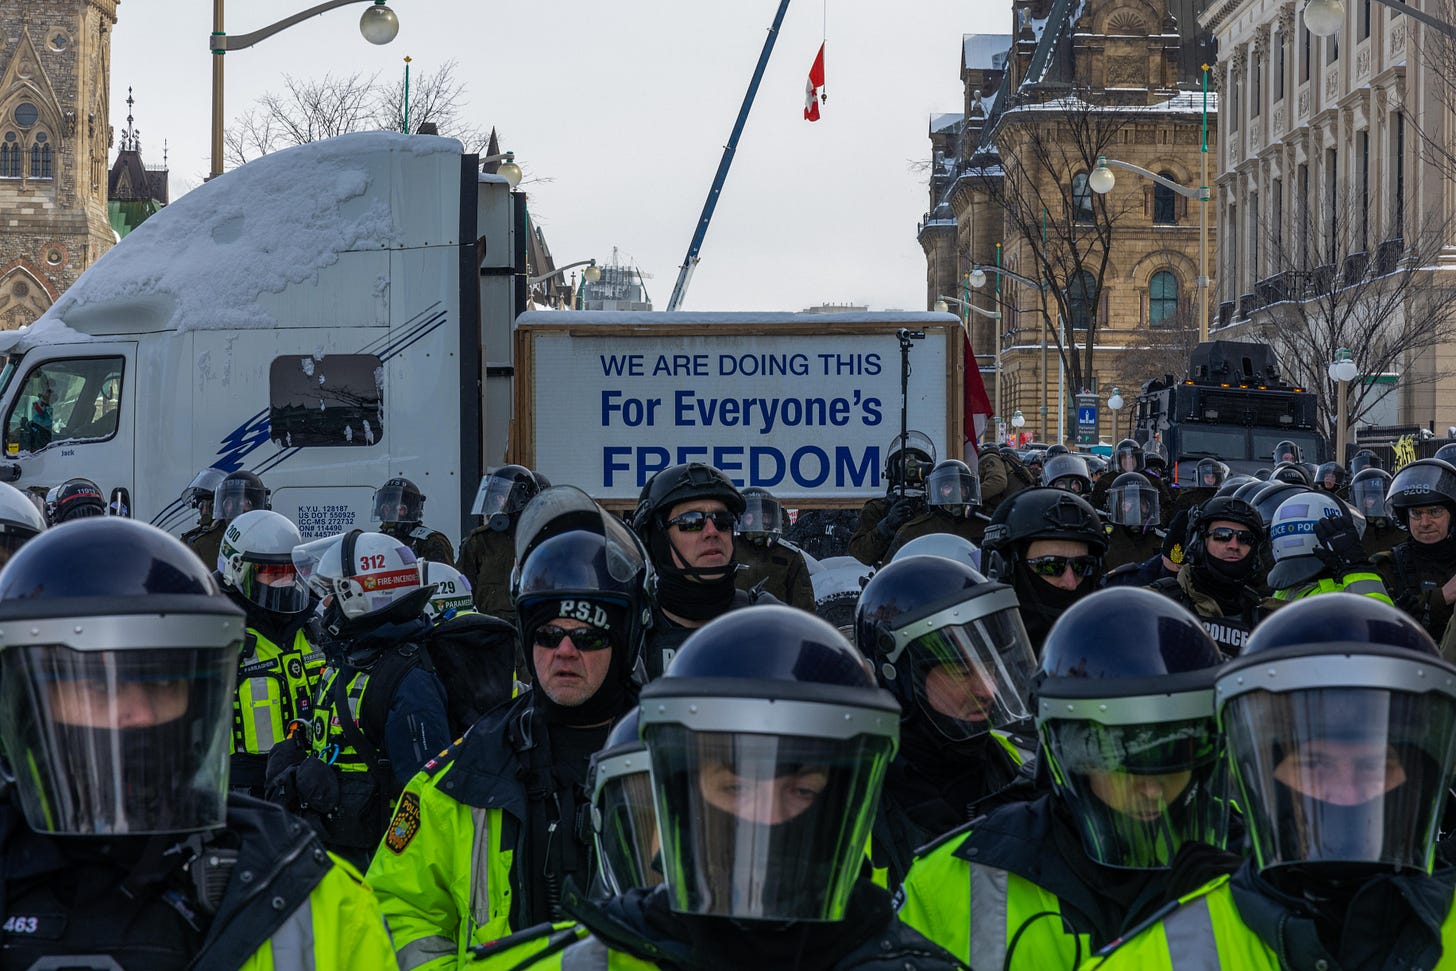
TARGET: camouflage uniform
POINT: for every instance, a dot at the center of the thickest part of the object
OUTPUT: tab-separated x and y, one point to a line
1128	544
779	566
424	543
868	544
486	558
1000	477
205	541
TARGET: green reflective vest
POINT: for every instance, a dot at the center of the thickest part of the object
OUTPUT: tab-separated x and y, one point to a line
1363	582
326	734
337	928
275	686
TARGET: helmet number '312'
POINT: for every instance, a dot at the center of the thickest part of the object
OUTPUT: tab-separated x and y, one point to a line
371	561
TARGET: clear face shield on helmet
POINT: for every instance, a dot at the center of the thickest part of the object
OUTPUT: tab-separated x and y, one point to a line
763	825
970	665
1134	504
272	585
624	822
391	574
1068	473
762	519
1345	775
1368	496
395	503
203	487
501	497
910	459
952	490
237	496
120	742
1139	790
1210	473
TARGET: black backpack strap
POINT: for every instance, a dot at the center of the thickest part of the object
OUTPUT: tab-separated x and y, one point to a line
385	677
378	766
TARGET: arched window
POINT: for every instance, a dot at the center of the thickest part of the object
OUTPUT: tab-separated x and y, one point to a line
1082	300
1163	299
1165	202
40	157
1081	198
10	156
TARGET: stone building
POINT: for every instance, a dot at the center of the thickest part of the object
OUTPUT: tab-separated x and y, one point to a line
1075	80
55	66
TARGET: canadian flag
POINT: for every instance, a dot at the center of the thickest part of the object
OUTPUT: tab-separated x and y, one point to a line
977	402
814	90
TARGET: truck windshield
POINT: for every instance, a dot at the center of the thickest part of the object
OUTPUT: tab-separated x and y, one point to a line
1265	440
1223	443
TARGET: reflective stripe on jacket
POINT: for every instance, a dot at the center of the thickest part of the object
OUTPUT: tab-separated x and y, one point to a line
1364	583
275	686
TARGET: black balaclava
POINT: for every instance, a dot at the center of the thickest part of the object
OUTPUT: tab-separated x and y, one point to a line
684	590
1041	603
617	693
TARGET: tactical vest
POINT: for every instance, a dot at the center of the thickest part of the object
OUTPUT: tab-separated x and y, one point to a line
275	687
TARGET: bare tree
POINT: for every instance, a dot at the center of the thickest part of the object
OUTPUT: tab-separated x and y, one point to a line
308	110
1156	352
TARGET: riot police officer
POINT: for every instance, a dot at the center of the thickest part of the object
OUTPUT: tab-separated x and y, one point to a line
119	842
199	495
1316	549
1421	572
76	498
1048	545
1067	472
907	463
1341	733
237	493
487	553
1220	563
1134	509
1368	489
488	834
685	518
764	806
399	508
1127	727
278	667
1209	474
20	521
952	502
1002	475
950	646
764	557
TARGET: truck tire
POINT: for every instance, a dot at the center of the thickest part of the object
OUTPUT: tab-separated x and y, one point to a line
838	610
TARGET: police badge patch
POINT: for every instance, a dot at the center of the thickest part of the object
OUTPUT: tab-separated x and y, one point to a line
405	824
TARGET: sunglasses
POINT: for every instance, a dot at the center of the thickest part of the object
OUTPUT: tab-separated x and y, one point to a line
1055	566
584	638
694	520
1225	534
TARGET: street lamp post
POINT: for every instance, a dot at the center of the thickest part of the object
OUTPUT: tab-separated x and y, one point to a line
1115	402
1326	17
1342	371
591	274
1102	180
977	279
379	25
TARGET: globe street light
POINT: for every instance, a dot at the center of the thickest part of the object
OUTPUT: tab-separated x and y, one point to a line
508	169
1325	17
379	25
1342	371
1115	402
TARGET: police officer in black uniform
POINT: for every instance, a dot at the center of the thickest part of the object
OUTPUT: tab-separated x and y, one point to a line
399	508
950	646
686	518
1134	510
1220	562
765	806
763	555
1208	475
119	844
1368	489
907	463
1420	574
488	552
239	492
1048	545
1126	457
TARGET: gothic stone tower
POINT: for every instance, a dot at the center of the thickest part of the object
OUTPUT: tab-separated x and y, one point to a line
55	68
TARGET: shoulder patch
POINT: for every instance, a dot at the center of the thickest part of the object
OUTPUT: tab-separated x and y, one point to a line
405	824
421	532
445	757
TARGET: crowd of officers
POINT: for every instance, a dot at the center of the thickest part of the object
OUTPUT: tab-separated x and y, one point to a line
1082	719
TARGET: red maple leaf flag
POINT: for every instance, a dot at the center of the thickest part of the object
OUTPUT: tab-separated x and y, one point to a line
814	90
977	402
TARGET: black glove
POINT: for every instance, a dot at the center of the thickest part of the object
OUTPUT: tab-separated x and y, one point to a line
896	516
1339	548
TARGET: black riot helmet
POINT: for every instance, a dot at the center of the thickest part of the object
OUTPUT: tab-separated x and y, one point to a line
762	520
1127	727
1368	490
20	520
1362	460
1054	450
1067	472
1155	458
953	488
1287	451
1330	477
1250	489
239	492
203	487
75	498
503	494
1424	482
1234	483
576	560
678	484
1127	457
1209	474
116	682
1446	453
1230	510
1268	499
398	501
769	742
542	483
948	644
908	462
1291	472
624	823
1034	514
1134	501
1340	717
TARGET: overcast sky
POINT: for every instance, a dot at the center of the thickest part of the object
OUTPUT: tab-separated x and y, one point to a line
620	112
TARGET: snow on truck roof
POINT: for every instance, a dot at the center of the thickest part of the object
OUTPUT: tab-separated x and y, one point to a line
621	318
207	260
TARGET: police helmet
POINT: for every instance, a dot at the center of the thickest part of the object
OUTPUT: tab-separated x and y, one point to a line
202	487
1287	451
908	461
683	483
20	520
1268	499
624	823
255	560
239	492
1340	719
769	741
398	501
1263	474
363	580
1291	472
1368	490
1250	489
953	488
1034	514
948	545
1155	457
76	498
948	644
503	494
1056	449
762	520
1234	483
451	596
1446	453
1223	509
1067	472
1424	482
1127	727
1134	501
1330	477
1292	536
1128	456
542	483
1362	460
1209	474
116	682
